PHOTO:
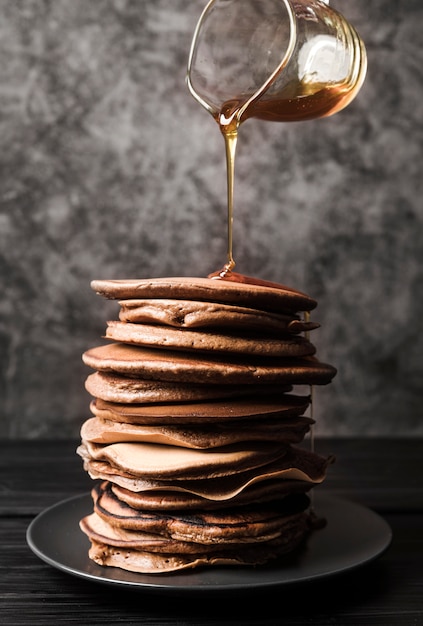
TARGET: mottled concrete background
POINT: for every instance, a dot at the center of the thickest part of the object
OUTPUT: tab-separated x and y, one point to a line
110	169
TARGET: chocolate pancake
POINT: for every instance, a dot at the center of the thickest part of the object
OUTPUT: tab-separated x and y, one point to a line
270	297
164	462
161	500
187	367
193	340
153	543
282	406
97	430
211	315
149	562
296	464
230	525
127	390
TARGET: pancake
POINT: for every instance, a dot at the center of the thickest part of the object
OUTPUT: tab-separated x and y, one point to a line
97	430
282	406
194	340
264	491
164	462
153	543
296	465
211	315
267	297
178	367
229	525
148	562
127	390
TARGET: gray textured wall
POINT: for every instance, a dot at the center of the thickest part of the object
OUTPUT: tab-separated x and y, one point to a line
109	169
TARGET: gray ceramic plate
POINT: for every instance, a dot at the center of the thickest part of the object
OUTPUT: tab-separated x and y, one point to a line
353	536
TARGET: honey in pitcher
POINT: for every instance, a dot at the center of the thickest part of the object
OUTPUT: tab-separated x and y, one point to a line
306	102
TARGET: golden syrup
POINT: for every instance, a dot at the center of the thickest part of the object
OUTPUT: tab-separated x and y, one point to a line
231	139
298	102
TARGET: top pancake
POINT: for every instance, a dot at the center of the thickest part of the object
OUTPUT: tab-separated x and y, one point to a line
268	298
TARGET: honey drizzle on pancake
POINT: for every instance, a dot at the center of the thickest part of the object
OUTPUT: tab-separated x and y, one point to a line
229	121
231	139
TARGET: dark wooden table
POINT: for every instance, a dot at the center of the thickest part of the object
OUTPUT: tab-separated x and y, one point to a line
385	475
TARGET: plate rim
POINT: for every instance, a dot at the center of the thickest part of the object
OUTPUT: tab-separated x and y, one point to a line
385	539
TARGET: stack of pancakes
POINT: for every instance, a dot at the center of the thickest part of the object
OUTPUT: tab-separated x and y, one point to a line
196	424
